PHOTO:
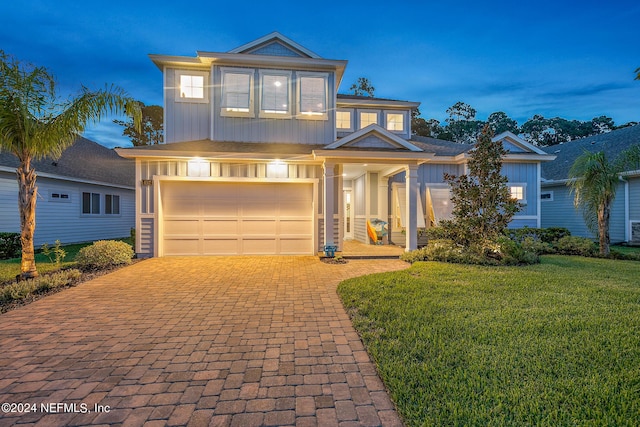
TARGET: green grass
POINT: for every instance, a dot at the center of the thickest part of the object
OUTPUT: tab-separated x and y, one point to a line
555	344
626	249
10	268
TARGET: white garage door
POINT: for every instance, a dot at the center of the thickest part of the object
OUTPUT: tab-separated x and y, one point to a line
236	218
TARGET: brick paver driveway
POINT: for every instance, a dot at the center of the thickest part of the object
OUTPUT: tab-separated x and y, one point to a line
238	341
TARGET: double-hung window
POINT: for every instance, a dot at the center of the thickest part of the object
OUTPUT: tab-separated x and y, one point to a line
111	204
343	120
90	203
237	92
191	86
275	94
368	118
312	95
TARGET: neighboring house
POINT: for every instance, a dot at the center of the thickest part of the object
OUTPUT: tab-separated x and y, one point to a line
263	156
557	201
88	194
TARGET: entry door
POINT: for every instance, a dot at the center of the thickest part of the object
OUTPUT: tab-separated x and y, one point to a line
348	214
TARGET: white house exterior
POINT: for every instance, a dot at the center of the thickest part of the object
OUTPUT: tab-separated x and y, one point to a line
85	195
263	156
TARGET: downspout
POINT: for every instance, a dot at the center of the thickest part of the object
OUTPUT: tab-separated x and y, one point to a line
626	208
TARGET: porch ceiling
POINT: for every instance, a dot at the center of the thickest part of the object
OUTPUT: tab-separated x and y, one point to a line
354	170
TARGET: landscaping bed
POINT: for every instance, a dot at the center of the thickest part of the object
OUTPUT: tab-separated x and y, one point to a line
556	343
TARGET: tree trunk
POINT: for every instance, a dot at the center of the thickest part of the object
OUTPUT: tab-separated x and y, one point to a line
603	226
27	195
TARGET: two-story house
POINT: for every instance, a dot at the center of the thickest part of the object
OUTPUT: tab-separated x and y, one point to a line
263	156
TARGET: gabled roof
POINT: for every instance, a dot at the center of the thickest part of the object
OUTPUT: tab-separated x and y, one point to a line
373	136
612	143
85	160
273	43
514	144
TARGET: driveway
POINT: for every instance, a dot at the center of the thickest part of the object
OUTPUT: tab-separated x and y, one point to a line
198	341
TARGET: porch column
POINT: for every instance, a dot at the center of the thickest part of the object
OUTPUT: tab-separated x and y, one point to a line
412	217
340	197
383	199
329	201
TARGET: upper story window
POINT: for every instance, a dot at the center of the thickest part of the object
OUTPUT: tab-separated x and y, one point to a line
275	98
237	92
312	95
191	86
368	118
395	122
343	120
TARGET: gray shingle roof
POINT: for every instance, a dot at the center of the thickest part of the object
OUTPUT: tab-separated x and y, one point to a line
440	146
86	160
206	147
612	143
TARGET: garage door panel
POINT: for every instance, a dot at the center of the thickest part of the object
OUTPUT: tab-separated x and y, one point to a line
220	246
181	226
257	246
223	218
257	227
182	246
220	226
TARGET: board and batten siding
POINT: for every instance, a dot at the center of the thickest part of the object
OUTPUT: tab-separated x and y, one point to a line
561	212
289	130
63	220
524	174
184	121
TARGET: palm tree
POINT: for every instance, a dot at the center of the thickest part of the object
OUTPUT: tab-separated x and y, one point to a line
34	125
593	181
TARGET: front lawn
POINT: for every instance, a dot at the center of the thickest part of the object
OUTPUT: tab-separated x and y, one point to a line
557	343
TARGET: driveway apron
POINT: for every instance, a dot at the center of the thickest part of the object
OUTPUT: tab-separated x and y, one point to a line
198	341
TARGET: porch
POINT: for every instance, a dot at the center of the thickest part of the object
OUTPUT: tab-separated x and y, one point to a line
357	250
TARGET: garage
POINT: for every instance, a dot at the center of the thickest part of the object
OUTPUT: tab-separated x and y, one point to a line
236	218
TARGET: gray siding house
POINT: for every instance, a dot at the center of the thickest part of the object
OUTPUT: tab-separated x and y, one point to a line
557	203
88	194
263	156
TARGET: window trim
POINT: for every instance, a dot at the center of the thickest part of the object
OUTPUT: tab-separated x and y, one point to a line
359	120
312	116
522	201
92	197
205	88
265	114
351	119
550	199
223	109
109	206
404	121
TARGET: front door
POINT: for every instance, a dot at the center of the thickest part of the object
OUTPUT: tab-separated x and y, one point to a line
348	215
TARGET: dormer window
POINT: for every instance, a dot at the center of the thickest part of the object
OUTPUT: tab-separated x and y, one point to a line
395	122
343	120
368	118
237	92
191	86
312	95
275	96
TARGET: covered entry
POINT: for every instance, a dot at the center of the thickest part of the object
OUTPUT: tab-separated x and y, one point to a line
236	218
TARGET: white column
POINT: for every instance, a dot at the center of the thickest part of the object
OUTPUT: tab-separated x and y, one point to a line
383	199
328	201
412	217
340	194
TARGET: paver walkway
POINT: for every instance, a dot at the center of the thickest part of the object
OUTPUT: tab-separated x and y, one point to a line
240	341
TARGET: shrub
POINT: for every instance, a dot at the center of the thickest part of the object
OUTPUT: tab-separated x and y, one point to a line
24	288
574	245
57	252
514	253
10	245
546	235
104	253
539	247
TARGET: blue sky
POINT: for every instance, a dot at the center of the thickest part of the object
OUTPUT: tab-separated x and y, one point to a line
573	59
